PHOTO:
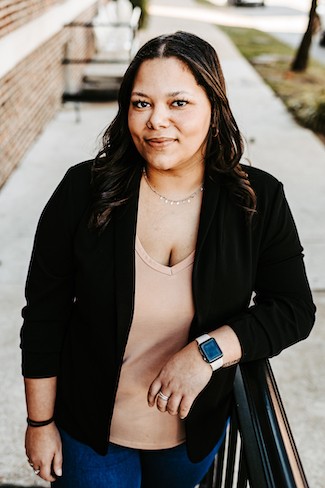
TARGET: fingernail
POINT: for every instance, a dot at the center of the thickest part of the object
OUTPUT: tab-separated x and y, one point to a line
59	472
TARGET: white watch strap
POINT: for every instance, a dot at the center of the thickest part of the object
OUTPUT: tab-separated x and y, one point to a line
203	338
218	363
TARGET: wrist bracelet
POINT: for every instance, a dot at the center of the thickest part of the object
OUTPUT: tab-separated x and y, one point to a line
41	423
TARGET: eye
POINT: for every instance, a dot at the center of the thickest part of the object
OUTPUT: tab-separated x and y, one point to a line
140	104
180	103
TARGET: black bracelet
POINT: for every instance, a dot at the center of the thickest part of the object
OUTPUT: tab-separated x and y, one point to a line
36	423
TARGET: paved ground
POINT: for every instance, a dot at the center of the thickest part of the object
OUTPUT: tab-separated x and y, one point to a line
285	19
274	143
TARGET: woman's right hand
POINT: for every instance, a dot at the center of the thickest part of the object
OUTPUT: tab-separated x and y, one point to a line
44	451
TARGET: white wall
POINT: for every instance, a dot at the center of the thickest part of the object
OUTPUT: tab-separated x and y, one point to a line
15	46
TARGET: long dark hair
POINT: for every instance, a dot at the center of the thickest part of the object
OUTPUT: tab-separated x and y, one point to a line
118	161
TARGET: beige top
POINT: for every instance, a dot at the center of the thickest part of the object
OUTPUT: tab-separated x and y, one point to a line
162	317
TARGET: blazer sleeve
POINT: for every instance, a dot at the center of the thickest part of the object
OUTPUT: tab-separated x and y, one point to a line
50	281
283	312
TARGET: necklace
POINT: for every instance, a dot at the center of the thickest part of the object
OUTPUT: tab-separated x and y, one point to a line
168	200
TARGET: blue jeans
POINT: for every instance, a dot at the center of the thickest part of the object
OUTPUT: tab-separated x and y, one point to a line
123	467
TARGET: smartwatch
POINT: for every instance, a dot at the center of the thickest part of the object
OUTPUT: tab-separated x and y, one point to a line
210	351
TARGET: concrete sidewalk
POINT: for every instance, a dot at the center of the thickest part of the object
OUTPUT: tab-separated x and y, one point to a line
274	143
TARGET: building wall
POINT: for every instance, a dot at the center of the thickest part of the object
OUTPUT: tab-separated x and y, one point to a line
31	91
14	13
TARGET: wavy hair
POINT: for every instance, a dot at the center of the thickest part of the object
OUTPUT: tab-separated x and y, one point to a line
118	161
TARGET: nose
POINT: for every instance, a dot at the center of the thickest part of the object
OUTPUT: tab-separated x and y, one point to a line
158	118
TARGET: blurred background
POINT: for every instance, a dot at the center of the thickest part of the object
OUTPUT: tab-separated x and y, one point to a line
38	37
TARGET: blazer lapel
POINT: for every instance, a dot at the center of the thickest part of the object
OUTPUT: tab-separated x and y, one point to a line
205	256
209	204
125	229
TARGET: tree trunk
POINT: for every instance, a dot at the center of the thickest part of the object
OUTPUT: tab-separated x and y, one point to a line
301	59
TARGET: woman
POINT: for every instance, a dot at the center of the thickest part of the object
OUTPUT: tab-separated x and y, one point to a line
139	289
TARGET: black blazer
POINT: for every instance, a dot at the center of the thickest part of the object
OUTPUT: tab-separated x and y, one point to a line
80	291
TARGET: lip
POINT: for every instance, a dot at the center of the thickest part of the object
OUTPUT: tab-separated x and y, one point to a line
160	141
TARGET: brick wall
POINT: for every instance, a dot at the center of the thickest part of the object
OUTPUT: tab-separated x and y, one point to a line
30	94
14	13
80	45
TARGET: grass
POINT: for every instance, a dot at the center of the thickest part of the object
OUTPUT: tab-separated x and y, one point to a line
303	93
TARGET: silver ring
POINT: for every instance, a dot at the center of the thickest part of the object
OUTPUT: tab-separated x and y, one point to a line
37	471
163	397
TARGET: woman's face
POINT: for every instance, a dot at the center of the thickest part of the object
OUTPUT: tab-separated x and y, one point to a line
169	115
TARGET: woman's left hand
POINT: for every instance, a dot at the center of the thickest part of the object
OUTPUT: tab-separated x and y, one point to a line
181	380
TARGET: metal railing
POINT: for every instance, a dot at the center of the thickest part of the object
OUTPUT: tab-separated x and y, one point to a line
259	450
132	27
99	76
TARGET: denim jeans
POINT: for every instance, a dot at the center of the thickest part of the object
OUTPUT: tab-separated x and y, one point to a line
123	467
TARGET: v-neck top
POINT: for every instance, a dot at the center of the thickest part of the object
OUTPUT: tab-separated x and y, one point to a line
163	312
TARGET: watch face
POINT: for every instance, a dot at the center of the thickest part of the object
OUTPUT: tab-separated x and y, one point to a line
211	350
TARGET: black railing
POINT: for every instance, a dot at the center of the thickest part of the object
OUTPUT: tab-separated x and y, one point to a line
259	449
99	76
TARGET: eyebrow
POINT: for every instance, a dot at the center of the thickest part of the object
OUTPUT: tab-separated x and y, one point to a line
171	94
